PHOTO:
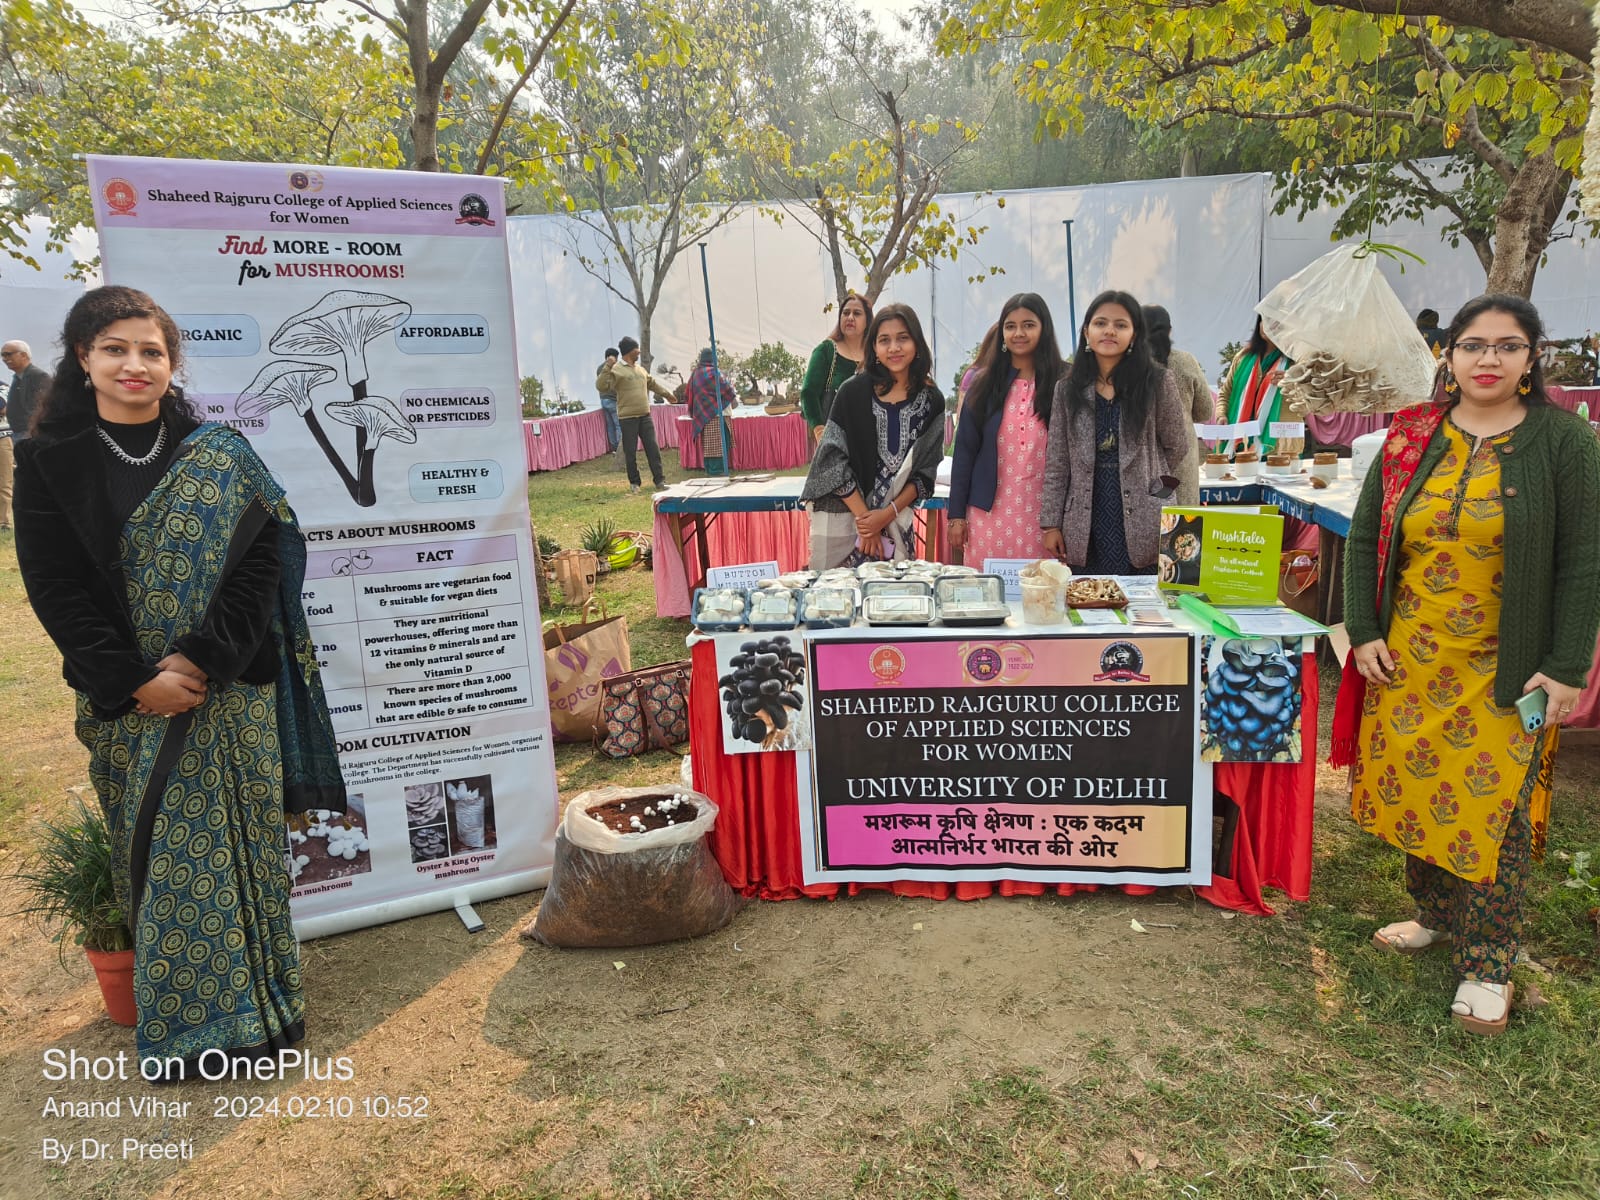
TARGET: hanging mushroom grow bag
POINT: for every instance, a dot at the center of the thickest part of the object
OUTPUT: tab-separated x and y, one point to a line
632	869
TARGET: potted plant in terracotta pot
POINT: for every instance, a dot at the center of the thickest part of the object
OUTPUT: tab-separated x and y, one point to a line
70	886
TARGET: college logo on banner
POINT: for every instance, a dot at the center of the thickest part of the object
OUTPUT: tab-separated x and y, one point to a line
122	198
887	664
473	210
1122	662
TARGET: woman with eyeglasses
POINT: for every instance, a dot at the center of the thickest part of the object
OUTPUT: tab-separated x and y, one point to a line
997	469
1472	580
1118	435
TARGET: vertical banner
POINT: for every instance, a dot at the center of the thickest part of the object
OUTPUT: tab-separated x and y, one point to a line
356	325
1052	759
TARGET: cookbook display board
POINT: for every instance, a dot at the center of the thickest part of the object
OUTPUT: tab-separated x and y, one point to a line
356	325
979	755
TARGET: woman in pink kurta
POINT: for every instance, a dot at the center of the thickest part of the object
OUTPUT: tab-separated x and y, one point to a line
1010	526
997	472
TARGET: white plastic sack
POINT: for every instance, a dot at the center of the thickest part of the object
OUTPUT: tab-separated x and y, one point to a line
1353	345
581	830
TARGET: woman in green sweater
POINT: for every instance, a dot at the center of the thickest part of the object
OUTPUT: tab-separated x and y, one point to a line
1472	579
834	360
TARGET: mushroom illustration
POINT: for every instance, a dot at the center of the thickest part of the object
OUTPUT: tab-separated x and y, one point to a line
288	382
342	322
374	418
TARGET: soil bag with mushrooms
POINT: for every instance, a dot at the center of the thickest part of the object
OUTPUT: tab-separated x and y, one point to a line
632	869
1353	345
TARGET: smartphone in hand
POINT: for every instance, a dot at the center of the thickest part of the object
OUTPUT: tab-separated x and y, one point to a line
1531	709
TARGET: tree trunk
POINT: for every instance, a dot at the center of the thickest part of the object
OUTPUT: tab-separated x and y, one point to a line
425	93
1533	204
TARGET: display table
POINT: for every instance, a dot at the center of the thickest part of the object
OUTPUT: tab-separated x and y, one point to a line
556	442
716	522
760	442
757	836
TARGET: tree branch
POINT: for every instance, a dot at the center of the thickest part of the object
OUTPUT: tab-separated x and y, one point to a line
534	60
1561	25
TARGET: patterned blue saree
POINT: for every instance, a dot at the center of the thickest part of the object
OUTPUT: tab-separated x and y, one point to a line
196	802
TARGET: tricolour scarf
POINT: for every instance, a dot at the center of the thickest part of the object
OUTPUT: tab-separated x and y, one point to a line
1409	434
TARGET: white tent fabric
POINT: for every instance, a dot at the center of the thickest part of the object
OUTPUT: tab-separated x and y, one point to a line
1206	247
34	302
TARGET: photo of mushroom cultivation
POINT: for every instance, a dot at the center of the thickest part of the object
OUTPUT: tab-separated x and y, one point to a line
340	326
425	819
324	845
1250	702
471	806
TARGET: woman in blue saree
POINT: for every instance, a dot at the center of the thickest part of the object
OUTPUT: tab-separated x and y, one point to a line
165	563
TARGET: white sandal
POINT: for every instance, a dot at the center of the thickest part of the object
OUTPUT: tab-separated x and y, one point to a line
1476	1000
1408	937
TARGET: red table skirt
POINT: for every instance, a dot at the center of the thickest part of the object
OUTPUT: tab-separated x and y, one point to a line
757	835
759	443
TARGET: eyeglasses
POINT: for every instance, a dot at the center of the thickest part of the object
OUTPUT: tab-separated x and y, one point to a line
1501	349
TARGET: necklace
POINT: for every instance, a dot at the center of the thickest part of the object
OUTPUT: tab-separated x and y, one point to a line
146	460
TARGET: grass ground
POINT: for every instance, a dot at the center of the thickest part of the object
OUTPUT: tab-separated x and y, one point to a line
875	1048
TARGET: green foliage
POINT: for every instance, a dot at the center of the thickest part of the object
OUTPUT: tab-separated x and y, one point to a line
599	535
1581	874
253	90
1337	85
863	143
770	363
650	123
532	389
548	546
69	882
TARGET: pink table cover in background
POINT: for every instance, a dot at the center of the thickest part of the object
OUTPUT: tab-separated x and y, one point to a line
759	443
665	418
562	441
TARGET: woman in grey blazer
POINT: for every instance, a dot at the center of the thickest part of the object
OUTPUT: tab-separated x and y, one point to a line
1122	435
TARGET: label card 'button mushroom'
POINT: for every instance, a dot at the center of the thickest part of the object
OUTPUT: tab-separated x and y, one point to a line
214	335
435	483
443	333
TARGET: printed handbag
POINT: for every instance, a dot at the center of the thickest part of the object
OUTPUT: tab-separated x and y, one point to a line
644	710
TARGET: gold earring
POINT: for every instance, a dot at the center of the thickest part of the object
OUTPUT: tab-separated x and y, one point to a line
1526	385
1450	384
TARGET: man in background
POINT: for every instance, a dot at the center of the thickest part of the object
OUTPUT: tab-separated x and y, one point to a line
608	405
28	384
632	385
1428	327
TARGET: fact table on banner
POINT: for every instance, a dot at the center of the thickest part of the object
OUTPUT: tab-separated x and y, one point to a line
356	326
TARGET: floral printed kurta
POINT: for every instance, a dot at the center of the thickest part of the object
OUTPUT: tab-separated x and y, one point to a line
1441	766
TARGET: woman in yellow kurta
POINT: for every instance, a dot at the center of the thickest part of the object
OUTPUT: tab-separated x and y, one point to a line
1471	580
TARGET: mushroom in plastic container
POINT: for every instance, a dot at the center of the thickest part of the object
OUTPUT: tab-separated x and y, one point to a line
289	382
374	418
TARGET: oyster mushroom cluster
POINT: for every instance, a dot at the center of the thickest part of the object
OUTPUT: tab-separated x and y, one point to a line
1252	700
1322	383
341	325
761	689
